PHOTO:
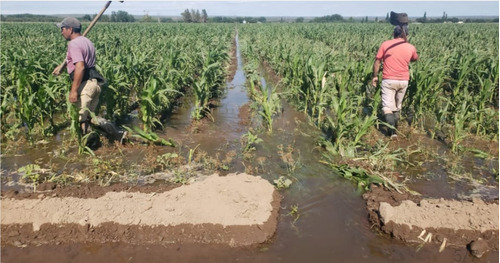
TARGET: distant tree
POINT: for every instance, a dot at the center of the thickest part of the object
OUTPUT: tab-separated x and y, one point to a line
103	18
121	16
261	19
326	19
299	20
223	19
204	16
186	16
376	19
147	18
166	20
113	17
366	19
424	19
30	18
387	19
445	17
217	19
190	16
86	18
193	16
197	16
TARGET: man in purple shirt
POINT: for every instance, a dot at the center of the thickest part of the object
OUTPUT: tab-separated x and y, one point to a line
86	81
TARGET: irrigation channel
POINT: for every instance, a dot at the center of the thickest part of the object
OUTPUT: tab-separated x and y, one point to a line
322	218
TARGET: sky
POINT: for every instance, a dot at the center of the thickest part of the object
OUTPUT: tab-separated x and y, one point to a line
257	8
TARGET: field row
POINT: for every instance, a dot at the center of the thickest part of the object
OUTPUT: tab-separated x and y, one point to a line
146	65
325	71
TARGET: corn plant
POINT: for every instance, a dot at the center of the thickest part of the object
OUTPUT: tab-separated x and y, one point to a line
211	79
149	137
323	75
248	141
153	100
267	100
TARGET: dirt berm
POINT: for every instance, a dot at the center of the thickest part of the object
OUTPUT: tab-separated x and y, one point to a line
472	223
236	210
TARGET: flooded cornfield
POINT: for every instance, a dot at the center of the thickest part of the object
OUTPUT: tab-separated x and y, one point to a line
323	214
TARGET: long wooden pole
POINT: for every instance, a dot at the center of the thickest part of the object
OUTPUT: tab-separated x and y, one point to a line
96	18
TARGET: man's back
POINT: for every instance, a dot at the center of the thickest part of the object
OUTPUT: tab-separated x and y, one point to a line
396	55
80	49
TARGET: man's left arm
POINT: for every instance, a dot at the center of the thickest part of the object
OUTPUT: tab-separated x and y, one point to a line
77	80
414	56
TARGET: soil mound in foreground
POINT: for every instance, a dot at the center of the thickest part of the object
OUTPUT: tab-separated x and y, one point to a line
237	210
445	222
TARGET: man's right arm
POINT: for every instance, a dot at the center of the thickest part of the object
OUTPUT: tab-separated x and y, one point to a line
376	68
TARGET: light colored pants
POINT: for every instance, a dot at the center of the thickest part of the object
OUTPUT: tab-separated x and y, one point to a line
393	92
89	98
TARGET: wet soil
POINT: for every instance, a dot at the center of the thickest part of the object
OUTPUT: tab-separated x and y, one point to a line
321	217
235	210
436	221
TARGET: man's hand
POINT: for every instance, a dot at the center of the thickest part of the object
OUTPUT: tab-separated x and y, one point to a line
73	96
374	81
57	71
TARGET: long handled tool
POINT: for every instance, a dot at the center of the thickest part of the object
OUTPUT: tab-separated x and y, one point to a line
96	18
58	70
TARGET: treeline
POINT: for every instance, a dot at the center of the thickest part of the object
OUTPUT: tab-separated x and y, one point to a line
194	16
120	16
29	18
338	18
328	19
445	19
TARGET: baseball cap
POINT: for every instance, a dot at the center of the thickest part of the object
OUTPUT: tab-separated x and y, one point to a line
69	22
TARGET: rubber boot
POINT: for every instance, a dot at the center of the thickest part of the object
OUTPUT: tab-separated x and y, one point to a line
93	141
409	117
397	115
110	129
391	120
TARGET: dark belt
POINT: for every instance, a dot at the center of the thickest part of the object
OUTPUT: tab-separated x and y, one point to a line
90	73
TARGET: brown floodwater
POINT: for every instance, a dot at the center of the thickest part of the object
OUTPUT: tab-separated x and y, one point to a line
331	221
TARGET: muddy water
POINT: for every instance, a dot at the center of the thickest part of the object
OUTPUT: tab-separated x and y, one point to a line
329	223
224	130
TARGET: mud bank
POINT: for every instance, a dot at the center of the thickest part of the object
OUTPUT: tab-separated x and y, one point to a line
235	210
435	221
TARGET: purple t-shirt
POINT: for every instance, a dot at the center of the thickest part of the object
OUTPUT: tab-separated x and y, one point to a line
80	49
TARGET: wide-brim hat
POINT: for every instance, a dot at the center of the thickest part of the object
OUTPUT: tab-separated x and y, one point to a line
398	19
